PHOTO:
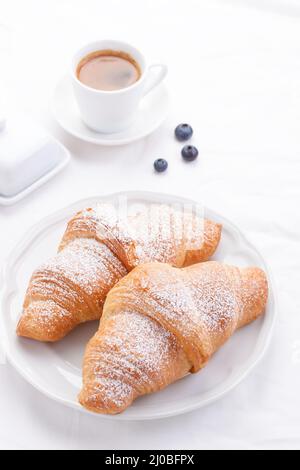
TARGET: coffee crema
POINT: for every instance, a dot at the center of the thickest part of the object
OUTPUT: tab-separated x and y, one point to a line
108	70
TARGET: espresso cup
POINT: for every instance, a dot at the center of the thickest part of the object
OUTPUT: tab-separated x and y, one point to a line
114	111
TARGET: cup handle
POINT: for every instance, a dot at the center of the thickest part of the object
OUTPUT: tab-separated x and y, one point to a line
154	77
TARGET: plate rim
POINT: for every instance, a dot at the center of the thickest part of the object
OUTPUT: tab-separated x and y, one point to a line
254	358
97	140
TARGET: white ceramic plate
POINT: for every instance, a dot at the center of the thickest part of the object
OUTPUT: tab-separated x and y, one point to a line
152	112
55	369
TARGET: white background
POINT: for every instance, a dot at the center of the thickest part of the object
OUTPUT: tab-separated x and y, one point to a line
234	74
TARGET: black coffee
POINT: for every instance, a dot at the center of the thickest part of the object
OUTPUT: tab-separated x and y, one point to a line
108	70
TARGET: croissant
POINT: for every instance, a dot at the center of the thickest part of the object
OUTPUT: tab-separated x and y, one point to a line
98	248
161	322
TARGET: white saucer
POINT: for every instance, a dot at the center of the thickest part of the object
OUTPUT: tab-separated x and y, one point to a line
151	113
55	369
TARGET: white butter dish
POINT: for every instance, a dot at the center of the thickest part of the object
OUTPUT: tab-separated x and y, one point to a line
29	157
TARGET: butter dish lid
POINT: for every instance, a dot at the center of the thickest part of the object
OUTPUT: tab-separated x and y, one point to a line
27	154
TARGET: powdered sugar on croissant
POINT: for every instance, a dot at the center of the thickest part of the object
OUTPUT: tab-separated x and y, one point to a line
161	322
99	247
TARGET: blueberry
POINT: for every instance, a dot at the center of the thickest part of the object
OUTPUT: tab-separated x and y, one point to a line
160	165
183	132
189	153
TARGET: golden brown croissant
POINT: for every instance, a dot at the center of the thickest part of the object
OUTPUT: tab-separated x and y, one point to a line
98	248
160	322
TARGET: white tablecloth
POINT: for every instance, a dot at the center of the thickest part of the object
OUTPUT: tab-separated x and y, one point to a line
234	74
